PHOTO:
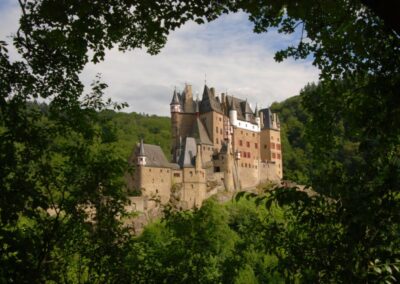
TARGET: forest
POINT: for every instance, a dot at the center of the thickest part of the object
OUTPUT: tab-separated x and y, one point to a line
340	137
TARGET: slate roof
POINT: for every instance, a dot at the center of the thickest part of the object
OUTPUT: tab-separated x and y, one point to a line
267	118
209	102
242	107
141	148
175	99
189	153
199	132
154	156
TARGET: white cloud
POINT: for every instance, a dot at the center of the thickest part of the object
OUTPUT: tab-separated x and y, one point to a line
232	56
227	51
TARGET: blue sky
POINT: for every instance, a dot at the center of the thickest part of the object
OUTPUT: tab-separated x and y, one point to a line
233	58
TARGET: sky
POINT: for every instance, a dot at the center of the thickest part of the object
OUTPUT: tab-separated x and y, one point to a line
225	54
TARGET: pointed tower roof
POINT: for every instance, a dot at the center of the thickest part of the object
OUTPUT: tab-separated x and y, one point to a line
206	93
247	108
141	148
209	102
175	99
256	111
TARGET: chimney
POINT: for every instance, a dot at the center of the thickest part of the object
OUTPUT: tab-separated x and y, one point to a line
212	90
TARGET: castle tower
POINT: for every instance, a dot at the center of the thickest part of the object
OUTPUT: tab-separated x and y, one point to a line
233	113
176	109
188	99
228	169
270	140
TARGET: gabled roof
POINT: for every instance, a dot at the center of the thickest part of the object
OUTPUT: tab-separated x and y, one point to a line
199	132
154	156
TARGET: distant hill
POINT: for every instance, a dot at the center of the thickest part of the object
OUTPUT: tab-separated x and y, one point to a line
296	150
131	127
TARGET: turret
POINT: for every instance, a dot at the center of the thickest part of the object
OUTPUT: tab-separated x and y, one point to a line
247	111
258	120
141	157
199	162
175	104
233	113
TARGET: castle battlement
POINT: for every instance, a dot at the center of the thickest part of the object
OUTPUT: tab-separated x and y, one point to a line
217	142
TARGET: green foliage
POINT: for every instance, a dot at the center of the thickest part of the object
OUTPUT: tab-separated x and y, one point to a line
296	150
214	244
132	127
57	163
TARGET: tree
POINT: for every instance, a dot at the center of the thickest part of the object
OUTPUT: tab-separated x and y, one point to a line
39	170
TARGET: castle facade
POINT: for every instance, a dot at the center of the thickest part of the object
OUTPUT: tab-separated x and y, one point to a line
217	143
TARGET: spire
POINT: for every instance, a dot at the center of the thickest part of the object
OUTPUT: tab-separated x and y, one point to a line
141	149
175	99
256	111
247	108
141	158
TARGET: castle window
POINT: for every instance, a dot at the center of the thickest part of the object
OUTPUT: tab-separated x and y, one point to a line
248	144
177	174
244	154
273	156
161	171
220	131
149	170
265	146
272	145
278	156
272	137
253	133
204	148
191	173
216	128
192	186
167	171
278	146
217	140
248	155
256	145
277	139
220	119
240	143
241	132
217	169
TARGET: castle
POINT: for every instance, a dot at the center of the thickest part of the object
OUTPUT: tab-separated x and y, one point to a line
217	143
